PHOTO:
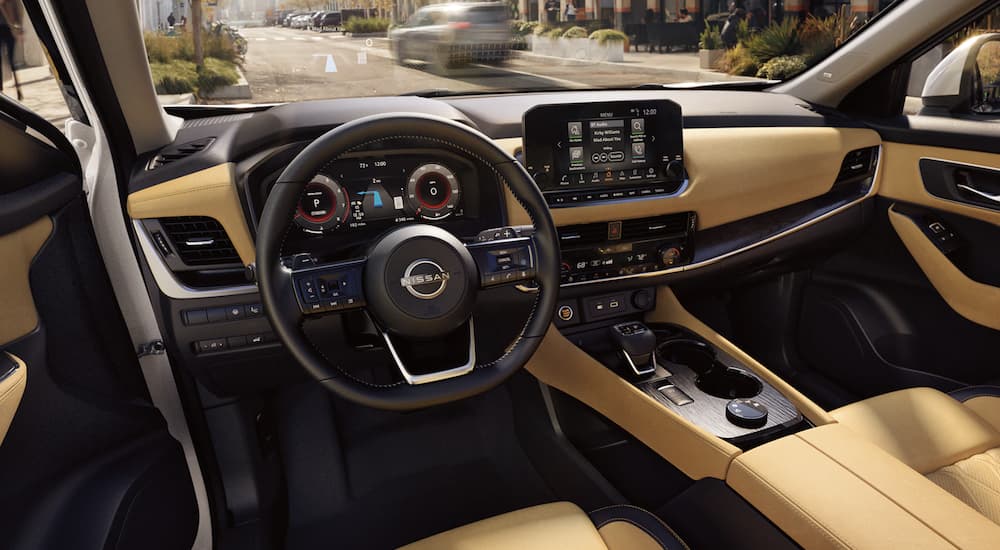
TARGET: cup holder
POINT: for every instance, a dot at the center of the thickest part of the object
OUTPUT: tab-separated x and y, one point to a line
712	377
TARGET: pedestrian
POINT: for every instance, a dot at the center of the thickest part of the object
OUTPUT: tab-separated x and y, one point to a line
184	21
685	16
171	20
756	20
730	36
570	10
552	11
649	17
10	32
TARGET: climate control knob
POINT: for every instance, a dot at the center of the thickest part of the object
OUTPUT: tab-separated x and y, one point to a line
670	255
674	170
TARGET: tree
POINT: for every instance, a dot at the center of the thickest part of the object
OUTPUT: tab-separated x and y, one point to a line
196	31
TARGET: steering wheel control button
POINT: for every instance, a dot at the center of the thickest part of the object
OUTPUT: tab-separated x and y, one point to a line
326	288
504	262
746	413
433	191
322	207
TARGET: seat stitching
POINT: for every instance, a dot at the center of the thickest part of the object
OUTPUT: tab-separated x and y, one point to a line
650	514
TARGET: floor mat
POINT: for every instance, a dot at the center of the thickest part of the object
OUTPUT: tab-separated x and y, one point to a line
411	475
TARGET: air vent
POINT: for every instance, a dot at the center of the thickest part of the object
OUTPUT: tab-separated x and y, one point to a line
582	235
658	227
858	163
174	153
200	241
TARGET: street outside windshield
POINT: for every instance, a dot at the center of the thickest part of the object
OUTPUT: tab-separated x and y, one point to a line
264	51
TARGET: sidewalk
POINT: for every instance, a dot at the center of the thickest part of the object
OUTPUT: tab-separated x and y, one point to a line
659	67
41	94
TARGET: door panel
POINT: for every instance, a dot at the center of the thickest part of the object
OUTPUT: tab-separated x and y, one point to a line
86	460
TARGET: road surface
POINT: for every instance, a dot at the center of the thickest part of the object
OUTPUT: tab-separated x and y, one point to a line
285	64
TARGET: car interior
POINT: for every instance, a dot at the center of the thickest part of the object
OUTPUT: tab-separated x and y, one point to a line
446	323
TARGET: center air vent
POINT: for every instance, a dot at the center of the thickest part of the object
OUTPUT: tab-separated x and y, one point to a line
630	230
174	153
200	241
652	228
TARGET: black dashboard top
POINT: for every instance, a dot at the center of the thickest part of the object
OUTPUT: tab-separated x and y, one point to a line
238	136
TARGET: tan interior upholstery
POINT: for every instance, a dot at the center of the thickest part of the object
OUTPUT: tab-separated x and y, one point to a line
922	427
986	406
556	526
975	481
18	316
830	488
11	391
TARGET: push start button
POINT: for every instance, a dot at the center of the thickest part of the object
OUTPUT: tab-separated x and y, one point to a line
566	313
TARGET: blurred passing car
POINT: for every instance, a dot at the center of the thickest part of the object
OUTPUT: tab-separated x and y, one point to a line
450	35
327	20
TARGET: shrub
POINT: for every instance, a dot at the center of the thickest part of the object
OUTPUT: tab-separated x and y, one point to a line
553	33
174	77
161	48
711	38
576	32
819	37
359	25
738	61
781	68
603	36
541	30
216	73
523	28
775	40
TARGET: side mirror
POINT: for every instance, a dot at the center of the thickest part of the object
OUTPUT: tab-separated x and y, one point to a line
967	80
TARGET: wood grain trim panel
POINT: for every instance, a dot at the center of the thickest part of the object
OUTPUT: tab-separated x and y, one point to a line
670	310
11	391
977	302
735	173
18	249
902	181
693	450
211	192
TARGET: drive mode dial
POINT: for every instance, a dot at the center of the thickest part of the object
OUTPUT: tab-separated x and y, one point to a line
433	192
322	207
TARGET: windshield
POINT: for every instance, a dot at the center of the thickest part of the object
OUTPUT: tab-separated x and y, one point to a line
225	52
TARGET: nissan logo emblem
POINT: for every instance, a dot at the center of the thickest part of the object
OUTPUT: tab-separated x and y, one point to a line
425	279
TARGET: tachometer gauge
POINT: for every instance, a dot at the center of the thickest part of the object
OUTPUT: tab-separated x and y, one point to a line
323	206
432	192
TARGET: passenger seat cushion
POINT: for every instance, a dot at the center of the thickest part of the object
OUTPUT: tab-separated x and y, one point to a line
628	527
549	526
983	400
975	481
922	427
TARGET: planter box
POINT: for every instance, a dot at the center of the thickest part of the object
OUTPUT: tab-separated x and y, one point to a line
240	90
709	59
578	48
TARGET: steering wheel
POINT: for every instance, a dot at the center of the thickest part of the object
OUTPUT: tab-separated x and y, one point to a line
418	282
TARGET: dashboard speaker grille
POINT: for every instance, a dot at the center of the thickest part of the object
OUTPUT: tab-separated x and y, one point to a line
200	241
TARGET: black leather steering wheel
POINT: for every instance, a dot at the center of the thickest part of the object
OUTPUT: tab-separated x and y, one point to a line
418	282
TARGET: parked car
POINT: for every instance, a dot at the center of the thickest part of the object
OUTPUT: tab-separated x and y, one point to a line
301	21
453	34
328	20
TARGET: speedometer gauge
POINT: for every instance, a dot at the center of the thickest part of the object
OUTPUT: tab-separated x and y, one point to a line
323	206
433	192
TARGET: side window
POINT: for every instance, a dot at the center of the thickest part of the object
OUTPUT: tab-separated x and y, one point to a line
986	80
26	73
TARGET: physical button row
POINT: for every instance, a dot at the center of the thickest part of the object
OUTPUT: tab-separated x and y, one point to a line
236	312
213	345
566	199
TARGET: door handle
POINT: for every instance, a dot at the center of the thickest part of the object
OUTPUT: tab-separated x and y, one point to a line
982	194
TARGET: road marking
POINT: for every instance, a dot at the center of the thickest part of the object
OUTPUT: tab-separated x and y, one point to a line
331	66
260	39
278	38
299	38
317	38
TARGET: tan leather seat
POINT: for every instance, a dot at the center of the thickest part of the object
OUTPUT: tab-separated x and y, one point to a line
560	525
953	440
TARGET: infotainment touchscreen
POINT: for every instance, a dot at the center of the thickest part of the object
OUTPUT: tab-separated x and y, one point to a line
601	145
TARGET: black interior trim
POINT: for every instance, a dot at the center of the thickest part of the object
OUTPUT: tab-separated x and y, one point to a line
23	206
968	393
29	119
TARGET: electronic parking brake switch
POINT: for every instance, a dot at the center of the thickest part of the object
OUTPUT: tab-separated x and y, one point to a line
637	343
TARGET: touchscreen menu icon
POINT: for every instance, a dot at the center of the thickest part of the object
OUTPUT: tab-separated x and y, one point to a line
575	130
638	126
638	150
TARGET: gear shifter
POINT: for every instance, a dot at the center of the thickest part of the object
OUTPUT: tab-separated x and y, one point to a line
637	343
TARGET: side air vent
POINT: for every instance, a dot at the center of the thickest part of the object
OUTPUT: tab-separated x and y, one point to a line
857	164
174	153
200	241
651	228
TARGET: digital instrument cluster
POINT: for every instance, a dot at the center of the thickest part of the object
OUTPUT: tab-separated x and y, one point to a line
366	192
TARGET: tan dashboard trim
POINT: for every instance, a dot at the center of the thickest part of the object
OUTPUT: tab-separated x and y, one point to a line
564	366
670	310
11	391
18	315
210	192
901	179
977	302
734	173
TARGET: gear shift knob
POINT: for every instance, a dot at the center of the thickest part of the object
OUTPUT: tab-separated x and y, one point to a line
637	343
